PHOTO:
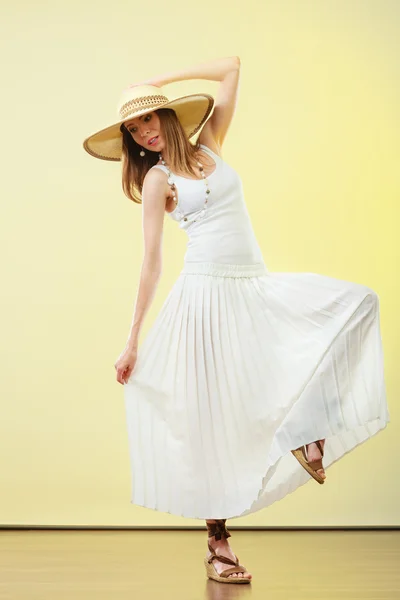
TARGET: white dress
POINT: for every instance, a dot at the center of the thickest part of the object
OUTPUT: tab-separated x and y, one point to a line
242	365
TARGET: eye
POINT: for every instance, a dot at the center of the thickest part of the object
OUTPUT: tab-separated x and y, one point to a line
133	129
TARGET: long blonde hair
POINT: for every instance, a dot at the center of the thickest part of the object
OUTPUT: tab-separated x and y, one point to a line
179	154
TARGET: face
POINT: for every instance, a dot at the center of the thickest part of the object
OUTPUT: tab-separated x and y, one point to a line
144	128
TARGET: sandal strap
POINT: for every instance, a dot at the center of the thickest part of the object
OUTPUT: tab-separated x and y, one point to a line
218	529
227	572
320	448
316	464
221	557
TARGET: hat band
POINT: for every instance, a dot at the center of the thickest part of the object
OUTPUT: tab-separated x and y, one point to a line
137	104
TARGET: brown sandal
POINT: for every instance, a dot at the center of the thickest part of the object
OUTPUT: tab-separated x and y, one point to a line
219	530
311	466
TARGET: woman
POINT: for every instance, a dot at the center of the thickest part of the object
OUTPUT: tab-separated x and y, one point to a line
244	369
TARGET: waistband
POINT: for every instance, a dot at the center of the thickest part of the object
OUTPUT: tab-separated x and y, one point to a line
225	270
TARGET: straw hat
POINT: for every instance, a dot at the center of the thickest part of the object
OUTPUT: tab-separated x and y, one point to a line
192	111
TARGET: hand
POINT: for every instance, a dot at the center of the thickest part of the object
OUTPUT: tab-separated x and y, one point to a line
125	364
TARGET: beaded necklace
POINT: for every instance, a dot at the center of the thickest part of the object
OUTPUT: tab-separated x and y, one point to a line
173	188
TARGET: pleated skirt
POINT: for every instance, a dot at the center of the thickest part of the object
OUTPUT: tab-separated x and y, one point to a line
240	366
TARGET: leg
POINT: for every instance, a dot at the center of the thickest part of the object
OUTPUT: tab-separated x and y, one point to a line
221	546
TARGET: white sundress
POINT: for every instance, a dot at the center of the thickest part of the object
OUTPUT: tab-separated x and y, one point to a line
242	365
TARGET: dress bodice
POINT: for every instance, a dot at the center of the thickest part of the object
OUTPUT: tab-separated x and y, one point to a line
224	234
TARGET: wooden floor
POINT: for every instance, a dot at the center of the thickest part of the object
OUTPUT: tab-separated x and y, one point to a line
142	565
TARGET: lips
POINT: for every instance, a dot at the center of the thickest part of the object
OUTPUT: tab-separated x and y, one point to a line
152	141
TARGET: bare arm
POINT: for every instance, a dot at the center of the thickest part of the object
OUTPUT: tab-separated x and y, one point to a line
213	70
227	72
153	207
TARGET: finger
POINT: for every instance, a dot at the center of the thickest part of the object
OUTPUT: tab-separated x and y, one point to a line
125	375
128	373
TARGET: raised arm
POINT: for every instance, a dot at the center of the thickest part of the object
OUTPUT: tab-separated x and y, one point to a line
217	126
225	70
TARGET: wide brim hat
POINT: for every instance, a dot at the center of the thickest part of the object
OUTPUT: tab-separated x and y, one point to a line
192	111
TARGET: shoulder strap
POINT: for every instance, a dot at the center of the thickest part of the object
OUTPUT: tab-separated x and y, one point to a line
210	152
162	167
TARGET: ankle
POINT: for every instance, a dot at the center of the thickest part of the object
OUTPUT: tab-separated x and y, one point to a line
216	529
217	535
215	544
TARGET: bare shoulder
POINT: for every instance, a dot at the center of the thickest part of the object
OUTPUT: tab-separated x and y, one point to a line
154	175
155	178
155	183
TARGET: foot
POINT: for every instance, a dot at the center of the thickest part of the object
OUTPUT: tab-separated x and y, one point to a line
222	547
314	453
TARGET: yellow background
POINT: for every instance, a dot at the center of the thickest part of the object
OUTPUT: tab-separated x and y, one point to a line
316	141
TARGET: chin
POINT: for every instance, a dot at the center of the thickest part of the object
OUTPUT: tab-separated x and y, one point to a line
156	150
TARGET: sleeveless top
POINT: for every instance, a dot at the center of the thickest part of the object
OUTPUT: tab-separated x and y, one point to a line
225	233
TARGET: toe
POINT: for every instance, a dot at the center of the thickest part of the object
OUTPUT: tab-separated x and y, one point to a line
242	575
